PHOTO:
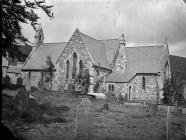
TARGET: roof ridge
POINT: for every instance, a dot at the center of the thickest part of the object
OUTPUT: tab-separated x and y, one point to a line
108	39
176	56
55	42
144	46
91	37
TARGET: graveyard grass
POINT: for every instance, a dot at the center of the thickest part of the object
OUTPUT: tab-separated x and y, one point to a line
53	117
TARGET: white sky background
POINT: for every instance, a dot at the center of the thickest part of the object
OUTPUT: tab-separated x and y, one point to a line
144	22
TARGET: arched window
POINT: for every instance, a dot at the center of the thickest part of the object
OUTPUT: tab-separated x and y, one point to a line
80	67
129	92
67	69
143	83
74	65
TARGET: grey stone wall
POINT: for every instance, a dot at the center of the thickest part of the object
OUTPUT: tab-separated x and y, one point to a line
136	91
75	45
151	88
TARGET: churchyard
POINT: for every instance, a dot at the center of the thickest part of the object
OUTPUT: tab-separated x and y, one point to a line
54	116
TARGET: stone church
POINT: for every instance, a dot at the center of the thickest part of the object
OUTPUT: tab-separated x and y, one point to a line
138	73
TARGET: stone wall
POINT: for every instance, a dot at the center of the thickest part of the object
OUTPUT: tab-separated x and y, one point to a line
118	88
151	87
75	45
34	78
134	90
13	77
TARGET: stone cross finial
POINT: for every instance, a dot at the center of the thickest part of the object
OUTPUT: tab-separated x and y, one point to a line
166	41
122	39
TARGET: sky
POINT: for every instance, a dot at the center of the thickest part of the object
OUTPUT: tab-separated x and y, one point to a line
143	22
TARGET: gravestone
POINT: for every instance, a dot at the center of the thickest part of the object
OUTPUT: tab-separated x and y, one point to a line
41	85
119	98
28	85
84	116
153	106
6	81
66	87
21	100
19	82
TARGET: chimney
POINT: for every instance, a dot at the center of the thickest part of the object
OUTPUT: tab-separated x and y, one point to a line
121	61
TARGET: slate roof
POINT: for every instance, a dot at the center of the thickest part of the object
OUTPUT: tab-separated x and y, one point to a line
111	46
178	66
97	51
140	59
38	57
95	48
13	69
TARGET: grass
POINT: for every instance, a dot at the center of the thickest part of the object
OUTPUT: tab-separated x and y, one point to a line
53	117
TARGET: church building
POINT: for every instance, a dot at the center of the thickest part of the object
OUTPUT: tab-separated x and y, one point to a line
138	73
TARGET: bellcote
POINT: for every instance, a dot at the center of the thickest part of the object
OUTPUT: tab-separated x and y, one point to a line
121	61
166	48
39	36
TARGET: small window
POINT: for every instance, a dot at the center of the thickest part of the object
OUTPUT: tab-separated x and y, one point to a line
29	74
42	75
143	83
111	87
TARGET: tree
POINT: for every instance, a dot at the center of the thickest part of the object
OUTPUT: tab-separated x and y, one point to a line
13	13
83	81
49	71
173	92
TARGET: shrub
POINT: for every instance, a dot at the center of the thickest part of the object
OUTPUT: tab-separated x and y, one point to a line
173	92
45	106
33	89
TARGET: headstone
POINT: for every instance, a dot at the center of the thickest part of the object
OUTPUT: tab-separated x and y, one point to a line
21	100
153	106
28	85
84	119
41	85
66	87
19	82
119	98
6	81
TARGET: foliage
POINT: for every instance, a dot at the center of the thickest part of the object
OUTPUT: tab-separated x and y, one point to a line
83	81
86	80
96	86
15	12
172	92
49	70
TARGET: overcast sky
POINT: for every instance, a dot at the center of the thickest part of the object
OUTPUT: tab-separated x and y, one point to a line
144	22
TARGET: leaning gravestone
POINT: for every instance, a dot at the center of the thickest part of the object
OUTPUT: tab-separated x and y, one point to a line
19	82
41	85
6	81
21	101
84	116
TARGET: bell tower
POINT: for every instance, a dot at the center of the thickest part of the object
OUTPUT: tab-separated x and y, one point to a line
121	61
